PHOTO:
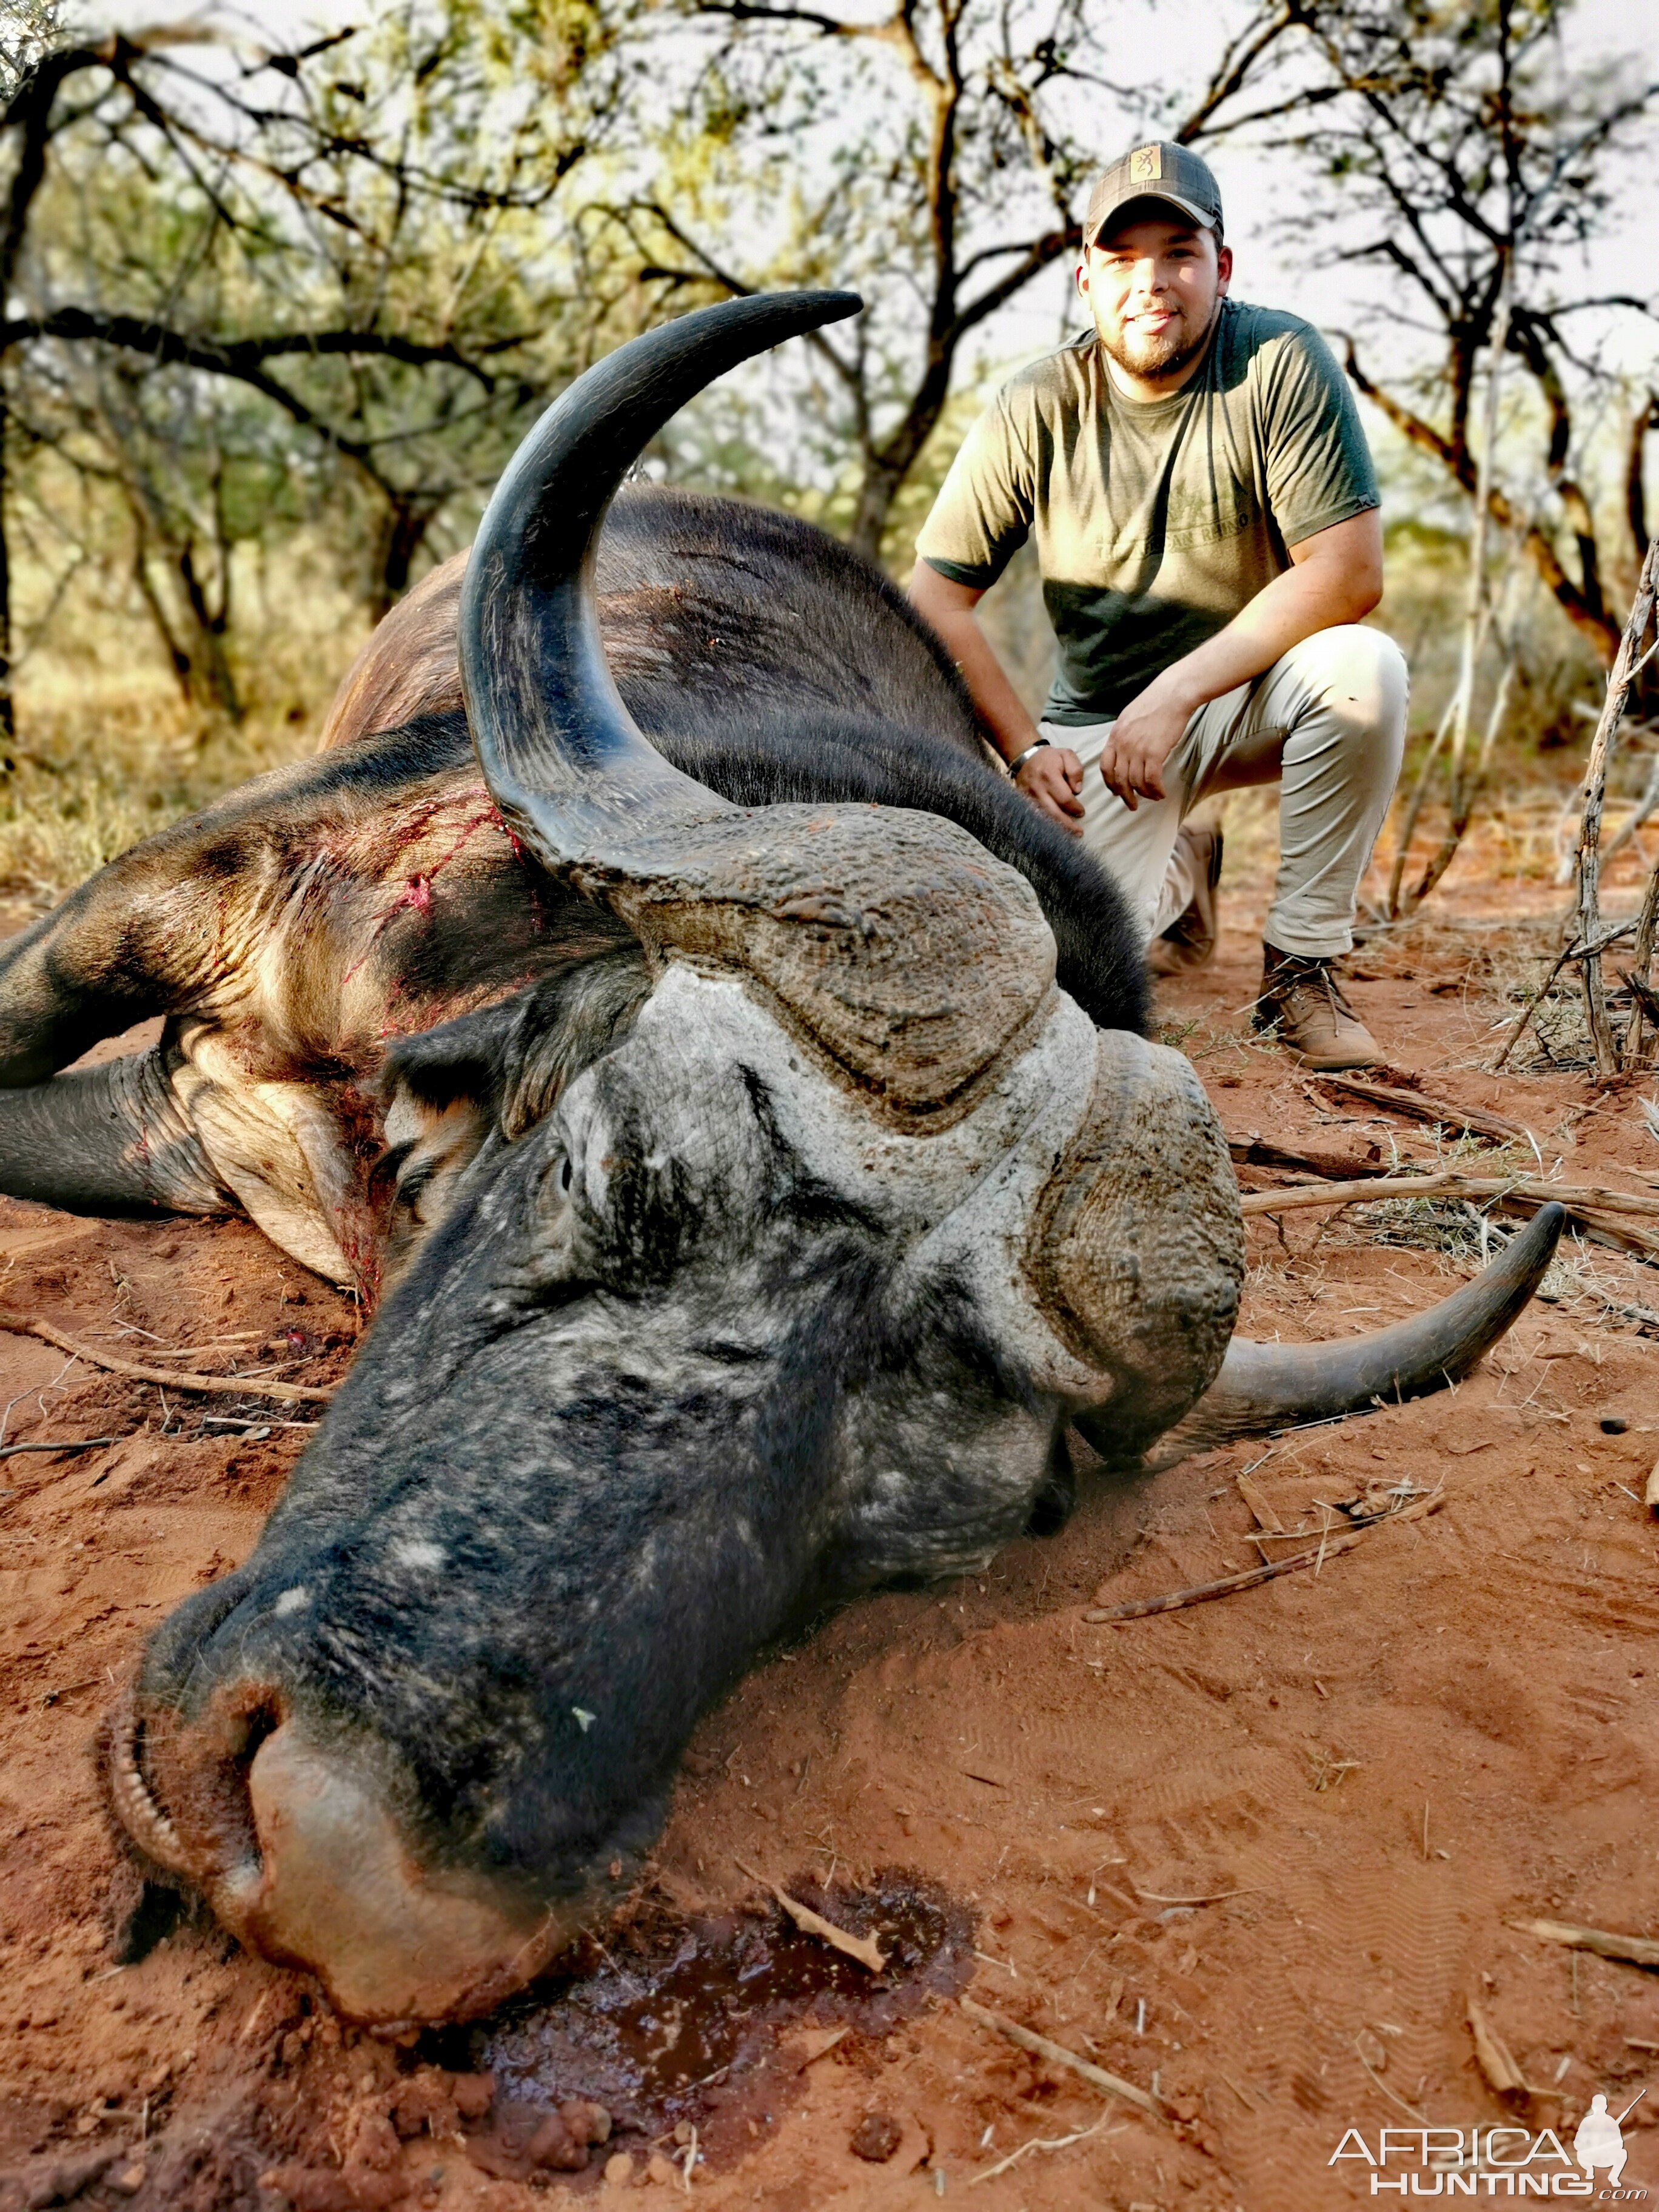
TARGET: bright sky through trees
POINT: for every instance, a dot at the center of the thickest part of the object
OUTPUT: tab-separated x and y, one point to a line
1262	229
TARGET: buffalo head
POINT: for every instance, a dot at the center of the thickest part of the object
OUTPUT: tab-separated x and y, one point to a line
792	1289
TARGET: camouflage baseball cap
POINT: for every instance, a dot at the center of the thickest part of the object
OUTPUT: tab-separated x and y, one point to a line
1162	171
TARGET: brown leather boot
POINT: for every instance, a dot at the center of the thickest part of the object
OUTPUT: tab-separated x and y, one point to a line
1303	1005
1189	941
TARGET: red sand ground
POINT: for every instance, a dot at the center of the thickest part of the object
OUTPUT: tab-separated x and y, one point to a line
1485	1671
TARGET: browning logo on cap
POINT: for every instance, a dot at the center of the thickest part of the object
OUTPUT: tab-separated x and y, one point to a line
1162	171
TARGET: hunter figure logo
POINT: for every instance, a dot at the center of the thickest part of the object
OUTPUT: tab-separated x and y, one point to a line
1599	2143
1146	165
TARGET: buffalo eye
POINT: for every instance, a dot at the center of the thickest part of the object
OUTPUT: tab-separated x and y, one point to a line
385	1175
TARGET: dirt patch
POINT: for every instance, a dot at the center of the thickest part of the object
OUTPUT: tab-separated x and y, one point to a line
1257	1855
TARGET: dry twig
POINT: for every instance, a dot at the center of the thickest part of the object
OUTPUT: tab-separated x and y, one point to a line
1038	2142
1139	1608
1635	1950
233	1386
1494	2056
1419	1107
1057	2055
58	1445
1587	908
864	1949
1592	948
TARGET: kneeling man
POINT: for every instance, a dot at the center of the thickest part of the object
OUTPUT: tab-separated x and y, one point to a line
1207	521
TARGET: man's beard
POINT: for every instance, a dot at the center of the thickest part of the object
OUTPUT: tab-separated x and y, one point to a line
1166	355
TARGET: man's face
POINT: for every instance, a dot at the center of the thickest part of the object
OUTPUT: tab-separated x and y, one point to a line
1153	287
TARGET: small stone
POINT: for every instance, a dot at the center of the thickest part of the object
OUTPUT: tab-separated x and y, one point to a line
660	2169
474	2093
618	2171
587	2122
875	2137
551	2147
128	2180
682	2132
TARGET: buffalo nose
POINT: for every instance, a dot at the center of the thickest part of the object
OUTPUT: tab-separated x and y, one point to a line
333	1884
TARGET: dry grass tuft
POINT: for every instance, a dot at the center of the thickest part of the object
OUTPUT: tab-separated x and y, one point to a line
102	765
107	750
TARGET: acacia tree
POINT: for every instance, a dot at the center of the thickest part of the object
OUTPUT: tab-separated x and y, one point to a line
1476	167
929	153
351	236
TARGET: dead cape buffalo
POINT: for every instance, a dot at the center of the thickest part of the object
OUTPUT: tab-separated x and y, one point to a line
765	1212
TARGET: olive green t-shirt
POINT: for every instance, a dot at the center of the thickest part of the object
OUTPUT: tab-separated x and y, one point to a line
1155	521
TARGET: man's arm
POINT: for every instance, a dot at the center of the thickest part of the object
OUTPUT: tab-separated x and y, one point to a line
1051	779
1336	577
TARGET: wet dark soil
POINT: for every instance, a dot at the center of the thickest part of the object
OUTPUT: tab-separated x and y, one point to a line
683	2024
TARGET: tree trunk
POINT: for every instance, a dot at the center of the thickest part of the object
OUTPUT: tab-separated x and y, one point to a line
209	629
887	466
877	493
178	658
402	536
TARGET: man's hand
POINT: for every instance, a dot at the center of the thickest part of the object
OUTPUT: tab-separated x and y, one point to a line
1052	777
1053	781
1142	739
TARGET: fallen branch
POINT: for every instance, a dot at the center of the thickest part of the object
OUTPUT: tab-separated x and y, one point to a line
1058	2055
1635	1950
1493	2056
1261	1509
233	1386
1419	1107
1590	1205
1139	1608
865	1948
1256	1152
1296	1197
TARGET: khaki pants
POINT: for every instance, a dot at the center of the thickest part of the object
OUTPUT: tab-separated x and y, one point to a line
1326	724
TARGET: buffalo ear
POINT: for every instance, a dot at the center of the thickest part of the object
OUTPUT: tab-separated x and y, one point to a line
510	1062
562	1025
458	1062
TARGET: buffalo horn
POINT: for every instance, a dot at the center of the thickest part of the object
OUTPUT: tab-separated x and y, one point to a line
1262	1386
564	760
861	922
